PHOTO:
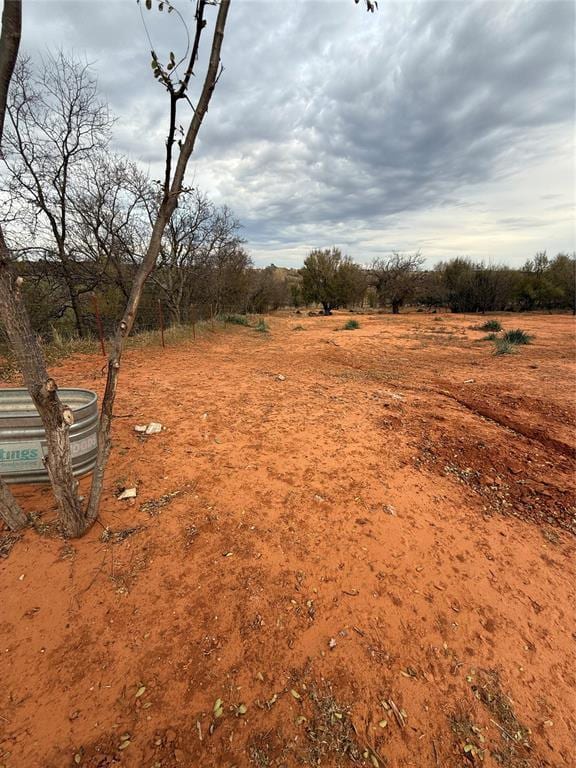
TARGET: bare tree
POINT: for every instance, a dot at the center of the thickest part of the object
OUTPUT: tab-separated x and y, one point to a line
112	209
397	278
171	190
184	260
56	121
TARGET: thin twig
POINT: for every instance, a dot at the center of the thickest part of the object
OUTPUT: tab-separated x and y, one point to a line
98	572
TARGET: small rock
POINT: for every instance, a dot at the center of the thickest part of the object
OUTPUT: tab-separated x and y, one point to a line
331	643
280	377
140	428
390	510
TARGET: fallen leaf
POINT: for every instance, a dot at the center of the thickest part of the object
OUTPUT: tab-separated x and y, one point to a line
140	691
295	694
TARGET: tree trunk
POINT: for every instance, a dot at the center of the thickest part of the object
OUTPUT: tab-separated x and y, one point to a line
10	512
395	307
55	416
9	45
78	320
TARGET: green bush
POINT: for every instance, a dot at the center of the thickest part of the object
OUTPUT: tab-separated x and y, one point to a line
352	325
491	325
517	336
503	347
235	319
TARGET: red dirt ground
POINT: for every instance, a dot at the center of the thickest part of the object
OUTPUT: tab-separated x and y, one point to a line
370	562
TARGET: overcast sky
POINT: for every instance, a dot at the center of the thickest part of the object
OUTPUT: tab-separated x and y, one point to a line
441	126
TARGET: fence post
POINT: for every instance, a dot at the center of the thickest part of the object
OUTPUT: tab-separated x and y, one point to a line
99	324
161	318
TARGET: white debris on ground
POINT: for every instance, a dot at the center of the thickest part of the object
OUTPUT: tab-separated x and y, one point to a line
127	493
149	429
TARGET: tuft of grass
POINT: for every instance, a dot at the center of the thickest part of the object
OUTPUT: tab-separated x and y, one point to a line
352	325
491	325
517	336
262	327
235	319
61	347
489	337
503	347
298	328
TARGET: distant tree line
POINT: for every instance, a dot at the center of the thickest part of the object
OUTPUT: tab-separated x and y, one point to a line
463	285
460	284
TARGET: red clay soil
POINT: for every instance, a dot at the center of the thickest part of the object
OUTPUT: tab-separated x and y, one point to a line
369	561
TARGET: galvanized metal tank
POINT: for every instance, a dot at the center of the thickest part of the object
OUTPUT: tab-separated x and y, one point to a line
22	438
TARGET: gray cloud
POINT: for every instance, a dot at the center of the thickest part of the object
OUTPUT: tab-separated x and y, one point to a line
330	124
